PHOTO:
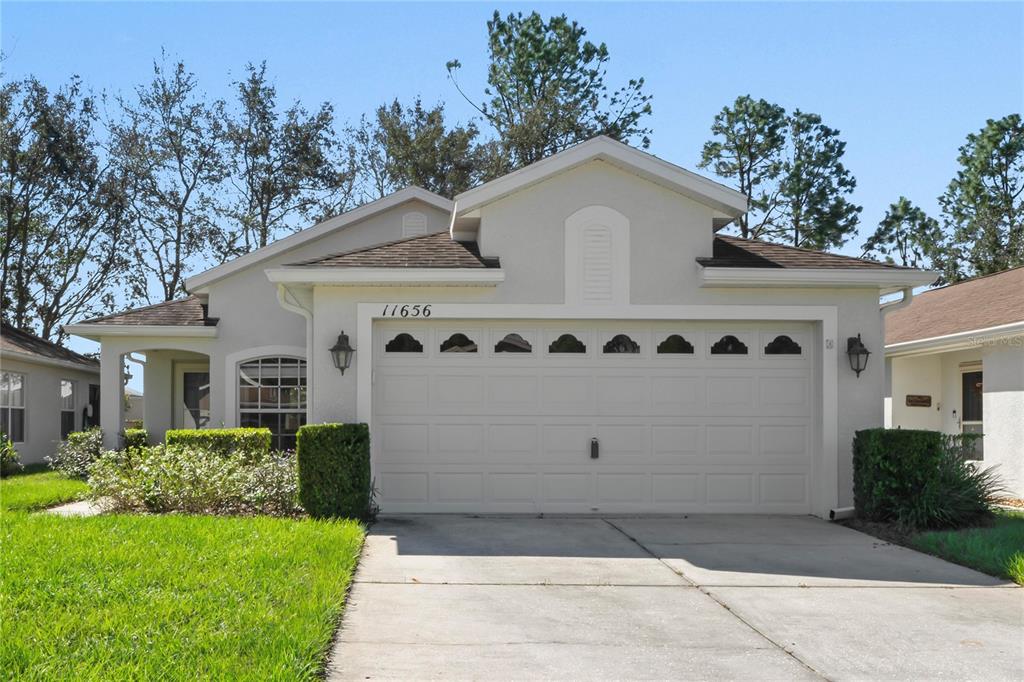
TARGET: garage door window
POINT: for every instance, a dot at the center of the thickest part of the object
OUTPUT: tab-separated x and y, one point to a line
675	344
567	343
782	345
621	343
729	345
513	343
458	343
272	394
403	343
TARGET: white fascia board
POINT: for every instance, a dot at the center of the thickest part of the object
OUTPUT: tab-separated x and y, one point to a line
387	276
668	175
96	332
973	338
51	362
881	278
196	283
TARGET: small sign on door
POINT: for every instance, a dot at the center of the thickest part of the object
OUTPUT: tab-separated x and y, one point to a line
919	401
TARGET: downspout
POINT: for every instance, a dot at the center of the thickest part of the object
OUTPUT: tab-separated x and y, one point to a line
908	296
289	301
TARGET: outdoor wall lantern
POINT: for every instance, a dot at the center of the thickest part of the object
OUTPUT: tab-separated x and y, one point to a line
857	353
341	353
127	375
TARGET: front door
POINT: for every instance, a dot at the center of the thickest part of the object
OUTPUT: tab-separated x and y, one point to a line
971	419
192	396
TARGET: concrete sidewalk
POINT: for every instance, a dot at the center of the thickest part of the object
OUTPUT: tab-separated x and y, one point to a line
733	597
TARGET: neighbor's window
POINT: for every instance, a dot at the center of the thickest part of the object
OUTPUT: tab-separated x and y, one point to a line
67	408
12	405
272	394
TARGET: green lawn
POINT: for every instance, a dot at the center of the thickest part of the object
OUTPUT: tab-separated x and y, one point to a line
36	488
997	550
170	597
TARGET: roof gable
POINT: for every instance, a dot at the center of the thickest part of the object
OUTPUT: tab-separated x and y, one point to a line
317	231
724	200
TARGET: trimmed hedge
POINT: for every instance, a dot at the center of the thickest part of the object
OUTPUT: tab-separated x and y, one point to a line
334	469
920	479
250	441
135	439
890	466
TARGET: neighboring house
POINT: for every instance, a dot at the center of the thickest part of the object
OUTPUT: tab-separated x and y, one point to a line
134	408
955	363
571	337
46	392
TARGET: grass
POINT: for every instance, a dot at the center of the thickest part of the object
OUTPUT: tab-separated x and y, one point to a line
997	550
171	597
36	488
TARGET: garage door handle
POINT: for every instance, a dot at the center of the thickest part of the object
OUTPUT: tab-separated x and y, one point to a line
595	448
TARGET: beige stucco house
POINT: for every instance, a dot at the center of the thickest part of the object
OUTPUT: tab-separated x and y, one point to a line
955	363
46	392
576	336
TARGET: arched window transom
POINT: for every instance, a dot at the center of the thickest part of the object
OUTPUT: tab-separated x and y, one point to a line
458	343
513	343
621	343
403	343
729	345
567	343
782	345
675	344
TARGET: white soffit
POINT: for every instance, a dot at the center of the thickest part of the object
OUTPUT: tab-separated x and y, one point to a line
708	192
195	283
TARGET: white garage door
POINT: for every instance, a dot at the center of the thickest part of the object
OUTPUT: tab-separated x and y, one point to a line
582	417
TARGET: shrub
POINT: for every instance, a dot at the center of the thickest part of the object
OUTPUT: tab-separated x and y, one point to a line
135	438
10	462
251	442
75	454
334	469
167	478
919	479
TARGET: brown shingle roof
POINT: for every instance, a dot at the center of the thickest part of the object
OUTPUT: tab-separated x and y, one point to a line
978	303
734	252
428	251
14	340
185	312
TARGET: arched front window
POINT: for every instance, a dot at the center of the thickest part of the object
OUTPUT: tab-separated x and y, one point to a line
272	394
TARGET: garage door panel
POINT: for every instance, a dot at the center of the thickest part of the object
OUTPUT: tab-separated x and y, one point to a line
513	393
403	442
511	431
565	443
458	444
575	488
677	395
782	488
733	489
623	488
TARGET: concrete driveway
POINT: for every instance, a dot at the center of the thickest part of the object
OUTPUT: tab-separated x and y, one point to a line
698	597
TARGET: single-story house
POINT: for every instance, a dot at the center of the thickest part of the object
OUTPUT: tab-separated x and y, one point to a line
46	392
576	336
954	362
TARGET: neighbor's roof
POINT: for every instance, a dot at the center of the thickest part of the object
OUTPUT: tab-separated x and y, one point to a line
972	305
184	312
735	252
428	251
29	346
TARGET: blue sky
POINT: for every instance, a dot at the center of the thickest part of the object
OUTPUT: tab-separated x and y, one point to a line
905	83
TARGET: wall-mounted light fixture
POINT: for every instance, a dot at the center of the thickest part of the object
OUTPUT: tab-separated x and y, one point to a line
857	353
127	375
341	353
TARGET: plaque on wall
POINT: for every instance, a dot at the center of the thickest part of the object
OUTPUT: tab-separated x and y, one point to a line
919	401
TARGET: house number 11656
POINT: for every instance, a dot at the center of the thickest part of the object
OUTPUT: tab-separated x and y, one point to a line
407	310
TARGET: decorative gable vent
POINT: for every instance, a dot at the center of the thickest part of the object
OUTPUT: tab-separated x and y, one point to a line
596	286
597	257
414	224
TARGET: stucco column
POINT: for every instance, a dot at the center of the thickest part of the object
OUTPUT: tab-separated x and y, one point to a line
111	395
